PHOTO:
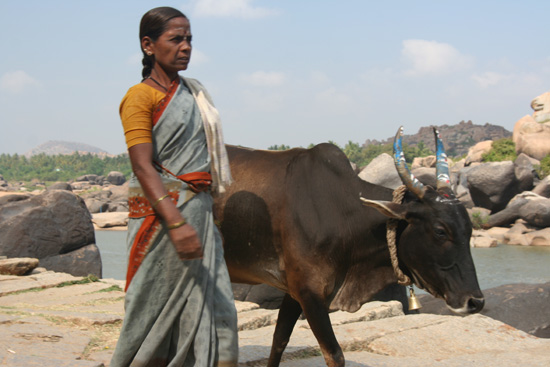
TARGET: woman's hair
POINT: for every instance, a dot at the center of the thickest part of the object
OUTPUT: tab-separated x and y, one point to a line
153	24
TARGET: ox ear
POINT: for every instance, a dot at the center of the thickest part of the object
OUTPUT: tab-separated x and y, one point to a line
389	209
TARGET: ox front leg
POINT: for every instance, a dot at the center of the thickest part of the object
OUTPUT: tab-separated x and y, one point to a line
288	315
319	321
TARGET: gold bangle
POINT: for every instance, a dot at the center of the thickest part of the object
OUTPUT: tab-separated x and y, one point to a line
176	225
154	205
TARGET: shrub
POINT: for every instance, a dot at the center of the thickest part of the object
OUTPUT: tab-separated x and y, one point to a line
501	150
479	220
543	169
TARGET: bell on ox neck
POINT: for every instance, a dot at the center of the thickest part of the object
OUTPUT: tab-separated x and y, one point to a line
414	303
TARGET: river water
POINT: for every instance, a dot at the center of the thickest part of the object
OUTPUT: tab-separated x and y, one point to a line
495	266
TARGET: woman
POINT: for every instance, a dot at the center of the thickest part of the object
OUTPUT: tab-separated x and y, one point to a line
179	303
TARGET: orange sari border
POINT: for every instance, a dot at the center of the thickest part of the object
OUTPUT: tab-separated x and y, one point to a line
157	113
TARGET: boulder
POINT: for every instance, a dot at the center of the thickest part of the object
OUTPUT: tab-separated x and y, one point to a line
3	183
493	184
484	241
108	199
116	178
42	226
476	152
478	216
516	234
525	125
543	187
381	171
528	206
460	186
17	266
428	162
82	262
10	198
525	172
538	238
112	219
426	175
508	215
532	137
498	233
96	206
261	294
541	106
60	186
536	212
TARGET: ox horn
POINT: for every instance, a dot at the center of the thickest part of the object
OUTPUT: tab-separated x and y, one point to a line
405	174
442	165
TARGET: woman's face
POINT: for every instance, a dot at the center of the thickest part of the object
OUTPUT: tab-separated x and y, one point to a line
172	49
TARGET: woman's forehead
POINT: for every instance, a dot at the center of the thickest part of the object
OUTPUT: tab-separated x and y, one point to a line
178	24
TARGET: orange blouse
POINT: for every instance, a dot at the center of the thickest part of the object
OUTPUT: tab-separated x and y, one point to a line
136	113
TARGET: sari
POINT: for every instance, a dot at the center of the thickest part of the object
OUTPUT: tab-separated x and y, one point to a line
179	313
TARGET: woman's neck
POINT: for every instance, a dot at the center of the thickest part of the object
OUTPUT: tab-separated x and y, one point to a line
160	80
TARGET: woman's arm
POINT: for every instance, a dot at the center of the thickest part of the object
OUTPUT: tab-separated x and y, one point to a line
184	238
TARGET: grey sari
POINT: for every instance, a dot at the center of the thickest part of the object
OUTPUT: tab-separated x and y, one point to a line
178	313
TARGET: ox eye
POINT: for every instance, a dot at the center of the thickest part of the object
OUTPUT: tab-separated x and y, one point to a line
440	233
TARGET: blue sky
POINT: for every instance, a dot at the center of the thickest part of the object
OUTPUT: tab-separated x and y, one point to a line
281	72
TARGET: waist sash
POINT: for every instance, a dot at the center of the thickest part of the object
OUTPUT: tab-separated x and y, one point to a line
140	207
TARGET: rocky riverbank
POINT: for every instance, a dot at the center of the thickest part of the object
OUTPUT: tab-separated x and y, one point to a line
53	319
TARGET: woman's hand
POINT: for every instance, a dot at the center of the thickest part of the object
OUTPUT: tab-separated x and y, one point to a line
186	242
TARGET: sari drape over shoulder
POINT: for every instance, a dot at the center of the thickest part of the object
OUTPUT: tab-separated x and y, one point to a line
179	313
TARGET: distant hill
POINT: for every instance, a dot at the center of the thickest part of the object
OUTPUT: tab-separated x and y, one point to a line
55	147
456	138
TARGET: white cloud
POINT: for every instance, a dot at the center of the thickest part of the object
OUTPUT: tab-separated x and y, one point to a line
488	79
17	81
431	57
230	8
264	78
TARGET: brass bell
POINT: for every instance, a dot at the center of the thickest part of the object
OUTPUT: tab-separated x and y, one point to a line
414	303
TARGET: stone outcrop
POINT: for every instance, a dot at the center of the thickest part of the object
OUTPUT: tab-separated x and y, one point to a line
116	178
541	106
54	227
532	132
457	138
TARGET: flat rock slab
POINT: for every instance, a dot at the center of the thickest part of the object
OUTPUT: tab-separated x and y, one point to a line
32	344
110	219
78	325
47	279
419	340
539	357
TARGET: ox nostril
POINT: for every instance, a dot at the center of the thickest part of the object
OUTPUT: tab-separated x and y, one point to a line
475	305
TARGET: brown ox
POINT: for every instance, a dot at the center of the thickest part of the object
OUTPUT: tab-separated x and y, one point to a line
294	220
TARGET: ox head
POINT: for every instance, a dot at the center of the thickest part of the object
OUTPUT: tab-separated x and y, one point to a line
434	248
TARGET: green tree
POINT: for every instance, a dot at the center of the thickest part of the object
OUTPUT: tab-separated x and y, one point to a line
279	147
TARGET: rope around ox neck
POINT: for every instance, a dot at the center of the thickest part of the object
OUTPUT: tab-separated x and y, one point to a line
391	234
